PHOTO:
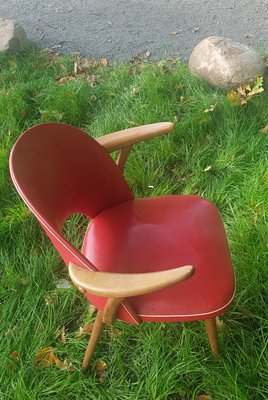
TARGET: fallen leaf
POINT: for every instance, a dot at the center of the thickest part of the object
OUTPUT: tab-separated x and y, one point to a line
175	33
136	58
92	309
132	123
65	79
56	46
111	333
196	29
104	62
219	323
50	299
66	366
12	63
101	366
63	335
265	129
211	108
64	284
15	355
148	54
91	79
182	98
208	168
83	331
244	93
203	397
46	357
136	90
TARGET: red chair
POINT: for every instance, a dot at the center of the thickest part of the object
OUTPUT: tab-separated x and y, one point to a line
137	245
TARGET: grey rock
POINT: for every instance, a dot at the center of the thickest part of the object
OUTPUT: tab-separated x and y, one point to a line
12	36
224	63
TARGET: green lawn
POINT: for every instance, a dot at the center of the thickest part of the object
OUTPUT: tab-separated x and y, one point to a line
220	154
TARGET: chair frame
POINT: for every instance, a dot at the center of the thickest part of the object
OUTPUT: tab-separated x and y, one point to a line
123	141
118	287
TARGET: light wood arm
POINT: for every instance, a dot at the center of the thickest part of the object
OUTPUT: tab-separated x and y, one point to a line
119	286
109	284
127	137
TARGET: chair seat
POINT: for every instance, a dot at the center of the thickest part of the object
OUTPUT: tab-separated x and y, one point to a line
152	234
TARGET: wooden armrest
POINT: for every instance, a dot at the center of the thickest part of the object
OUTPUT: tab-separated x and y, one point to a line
125	138
108	284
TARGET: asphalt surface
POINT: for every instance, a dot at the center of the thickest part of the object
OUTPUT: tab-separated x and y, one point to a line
120	29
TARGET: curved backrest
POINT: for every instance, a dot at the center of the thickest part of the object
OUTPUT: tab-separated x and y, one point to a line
59	170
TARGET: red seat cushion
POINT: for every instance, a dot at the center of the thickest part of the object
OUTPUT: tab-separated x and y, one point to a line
144	235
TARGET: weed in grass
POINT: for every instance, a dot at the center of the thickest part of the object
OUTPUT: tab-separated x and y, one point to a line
220	154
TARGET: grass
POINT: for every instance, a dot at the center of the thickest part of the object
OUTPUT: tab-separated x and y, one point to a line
221	155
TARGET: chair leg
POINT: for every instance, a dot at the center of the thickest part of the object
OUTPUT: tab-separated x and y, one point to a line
212	335
93	340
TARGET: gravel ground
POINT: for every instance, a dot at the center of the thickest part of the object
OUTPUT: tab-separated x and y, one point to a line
120	29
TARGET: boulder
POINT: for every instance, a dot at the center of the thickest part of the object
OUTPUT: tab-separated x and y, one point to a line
224	63
12	36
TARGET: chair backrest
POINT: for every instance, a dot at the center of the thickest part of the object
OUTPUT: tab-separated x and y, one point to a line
60	170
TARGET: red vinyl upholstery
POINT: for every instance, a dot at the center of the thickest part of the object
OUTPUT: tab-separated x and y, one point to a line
60	170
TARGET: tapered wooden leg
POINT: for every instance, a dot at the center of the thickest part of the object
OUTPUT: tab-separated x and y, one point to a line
93	340
212	335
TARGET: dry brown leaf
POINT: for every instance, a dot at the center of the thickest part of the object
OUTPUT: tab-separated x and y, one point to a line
83	331
211	108
12	63
112	333
15	355
66	366
56	46
65	79
46	357
92	309
104	62
204	397
219	323
182	98
132	123
101	367
63	335
136	90
175	32
91	79
265	129
50	299
64	284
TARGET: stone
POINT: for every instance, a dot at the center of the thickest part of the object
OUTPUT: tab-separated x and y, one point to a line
12	36
224	63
